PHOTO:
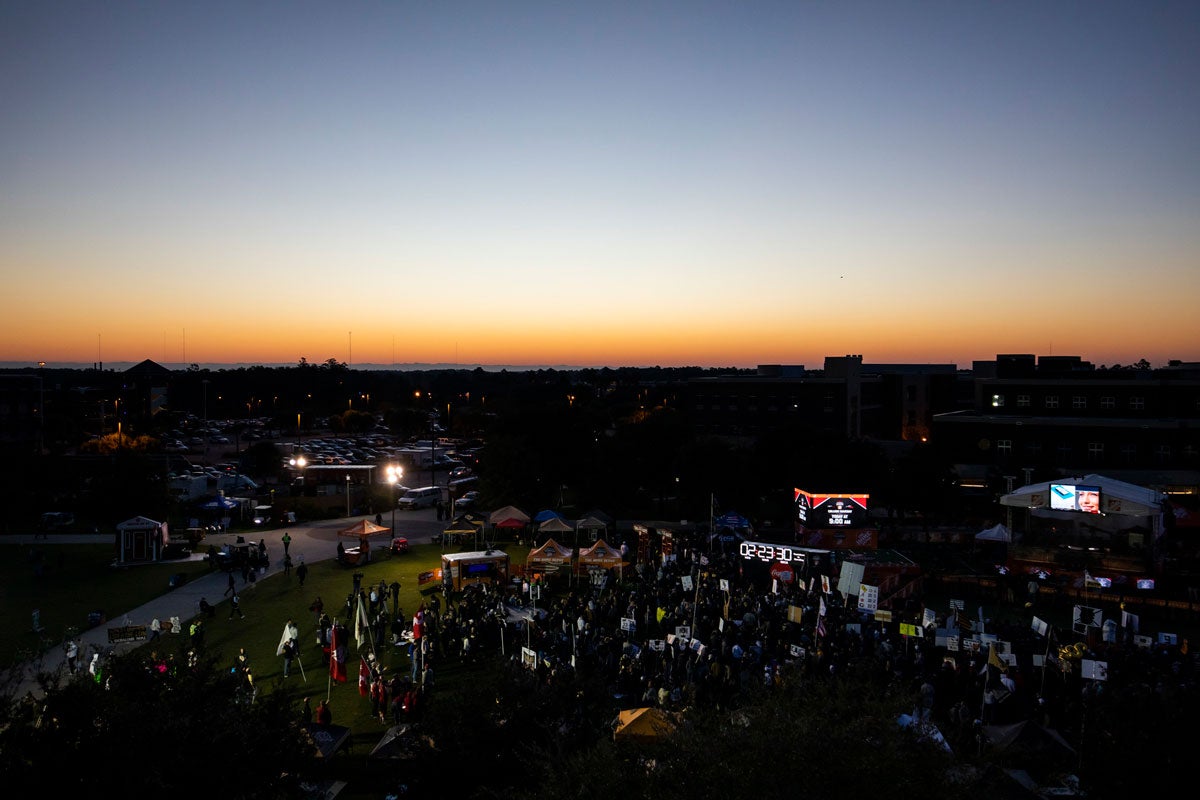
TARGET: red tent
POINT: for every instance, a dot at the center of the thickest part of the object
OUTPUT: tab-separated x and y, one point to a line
509	517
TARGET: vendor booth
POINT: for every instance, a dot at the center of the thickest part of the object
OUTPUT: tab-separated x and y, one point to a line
550	557
601	556
363	530
460	570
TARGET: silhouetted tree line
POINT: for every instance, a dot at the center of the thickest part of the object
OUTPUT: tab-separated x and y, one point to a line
618	440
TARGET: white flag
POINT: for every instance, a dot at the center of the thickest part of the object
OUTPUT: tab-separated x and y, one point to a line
361	626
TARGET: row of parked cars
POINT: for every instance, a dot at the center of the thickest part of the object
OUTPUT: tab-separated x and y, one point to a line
341	451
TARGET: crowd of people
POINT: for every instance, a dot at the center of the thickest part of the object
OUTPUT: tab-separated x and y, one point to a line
660	639
703	629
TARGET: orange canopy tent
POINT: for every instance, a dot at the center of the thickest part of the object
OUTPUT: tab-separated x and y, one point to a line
601	554
549	553
363	530
644	725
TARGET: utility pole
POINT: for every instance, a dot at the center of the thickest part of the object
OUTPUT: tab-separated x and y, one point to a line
41	410
1008	479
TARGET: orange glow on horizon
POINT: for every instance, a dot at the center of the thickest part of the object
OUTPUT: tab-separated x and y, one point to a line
527	342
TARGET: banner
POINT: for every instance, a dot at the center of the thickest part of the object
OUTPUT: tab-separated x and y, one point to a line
868	597
1086	617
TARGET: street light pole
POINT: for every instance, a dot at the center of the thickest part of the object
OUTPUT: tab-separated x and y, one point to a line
347	495
393	477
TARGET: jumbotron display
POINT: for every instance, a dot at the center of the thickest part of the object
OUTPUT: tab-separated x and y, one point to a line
831	510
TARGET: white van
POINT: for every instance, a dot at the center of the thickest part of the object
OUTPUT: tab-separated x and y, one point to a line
425	497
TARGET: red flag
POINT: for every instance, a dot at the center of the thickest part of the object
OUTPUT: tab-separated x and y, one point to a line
418	620
364	677
337	654
333	651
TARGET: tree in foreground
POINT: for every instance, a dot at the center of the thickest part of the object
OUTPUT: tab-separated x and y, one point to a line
157	727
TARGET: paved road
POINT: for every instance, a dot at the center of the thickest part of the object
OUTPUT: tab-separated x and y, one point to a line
312	542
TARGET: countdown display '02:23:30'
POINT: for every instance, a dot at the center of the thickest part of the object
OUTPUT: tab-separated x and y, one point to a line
770	552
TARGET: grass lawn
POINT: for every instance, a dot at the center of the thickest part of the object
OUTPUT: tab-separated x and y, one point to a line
76	579
65	583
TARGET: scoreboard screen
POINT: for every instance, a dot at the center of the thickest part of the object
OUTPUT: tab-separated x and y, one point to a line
831	510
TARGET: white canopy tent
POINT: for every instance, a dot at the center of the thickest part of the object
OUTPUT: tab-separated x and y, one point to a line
1116	497
1122	505
996	533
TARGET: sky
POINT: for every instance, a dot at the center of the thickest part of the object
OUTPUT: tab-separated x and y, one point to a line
598	184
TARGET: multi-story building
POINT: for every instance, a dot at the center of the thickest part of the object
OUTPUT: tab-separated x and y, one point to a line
1033	419
847	397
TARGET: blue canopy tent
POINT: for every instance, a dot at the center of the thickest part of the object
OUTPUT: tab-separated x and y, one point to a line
728	527
218	508
547	514
219	503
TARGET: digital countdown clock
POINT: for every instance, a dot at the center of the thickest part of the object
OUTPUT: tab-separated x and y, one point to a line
772	552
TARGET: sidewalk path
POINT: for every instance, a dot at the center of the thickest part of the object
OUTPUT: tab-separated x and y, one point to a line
315	542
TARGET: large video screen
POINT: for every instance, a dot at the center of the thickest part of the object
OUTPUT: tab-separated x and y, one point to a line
1075	497
831	510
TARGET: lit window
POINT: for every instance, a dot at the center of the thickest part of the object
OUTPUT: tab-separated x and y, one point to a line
1004	447
997	401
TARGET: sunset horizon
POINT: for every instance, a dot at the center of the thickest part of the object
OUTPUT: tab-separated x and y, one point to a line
684	184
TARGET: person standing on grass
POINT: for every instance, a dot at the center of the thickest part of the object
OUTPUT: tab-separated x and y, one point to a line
289	655
235	606
197	633
302	572
379	698
72	655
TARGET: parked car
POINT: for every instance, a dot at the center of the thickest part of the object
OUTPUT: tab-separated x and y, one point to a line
460	472
467	501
